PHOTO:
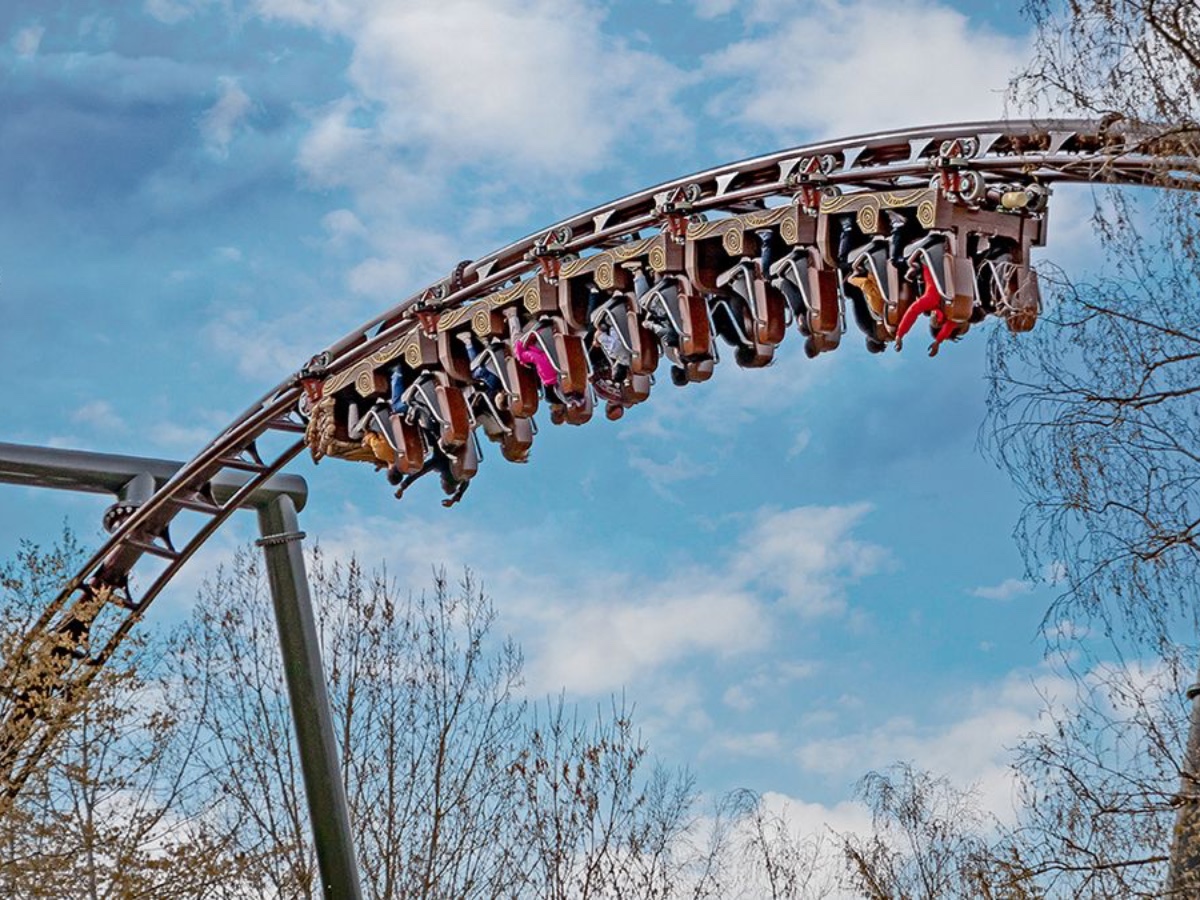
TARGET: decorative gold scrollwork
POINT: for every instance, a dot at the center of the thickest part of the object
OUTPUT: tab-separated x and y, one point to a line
789	229
926	213
364	383
604	274
868	217
480	322
733	240
658	258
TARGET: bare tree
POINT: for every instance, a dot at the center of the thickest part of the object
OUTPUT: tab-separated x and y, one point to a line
1095	416
1094	413
457	788
1097	789
930	840
114	811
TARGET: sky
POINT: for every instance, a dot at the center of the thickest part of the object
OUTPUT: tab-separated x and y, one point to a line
795	574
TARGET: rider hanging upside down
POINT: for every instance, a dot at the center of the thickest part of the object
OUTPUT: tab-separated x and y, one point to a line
452	486
528	352
614	352
930	302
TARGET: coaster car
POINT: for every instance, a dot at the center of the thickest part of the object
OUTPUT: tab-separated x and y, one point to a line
579	410
327	433
518	383
621	312
766	304
619	397
885	291
513	435
953	274
464	463
407	443
440	406
811	292
679	311
733	320
1008	289
566	352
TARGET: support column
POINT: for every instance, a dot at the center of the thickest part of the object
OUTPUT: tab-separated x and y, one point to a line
311	715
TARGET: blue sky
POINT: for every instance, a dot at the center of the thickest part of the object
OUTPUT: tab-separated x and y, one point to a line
797	574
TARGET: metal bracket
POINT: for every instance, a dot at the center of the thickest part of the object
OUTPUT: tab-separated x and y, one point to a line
274	540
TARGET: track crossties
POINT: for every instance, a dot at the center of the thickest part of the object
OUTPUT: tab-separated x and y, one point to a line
879	229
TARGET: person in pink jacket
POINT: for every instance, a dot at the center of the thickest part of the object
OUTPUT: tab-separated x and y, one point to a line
529	352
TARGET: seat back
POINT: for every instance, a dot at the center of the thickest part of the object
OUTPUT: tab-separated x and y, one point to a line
824	299
770	323
644	349
699	370
516	443
695	335
1025	303
580	413
465	463
406	440
453	356
729	320
522	389
637	388
572	362
454	419
961	284
900	297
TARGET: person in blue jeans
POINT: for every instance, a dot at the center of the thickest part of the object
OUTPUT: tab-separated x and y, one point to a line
480	372
398	404
439	461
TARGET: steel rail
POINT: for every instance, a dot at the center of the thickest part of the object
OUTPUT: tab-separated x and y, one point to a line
1047	152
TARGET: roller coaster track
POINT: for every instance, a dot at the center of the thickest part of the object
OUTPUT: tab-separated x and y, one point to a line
116	585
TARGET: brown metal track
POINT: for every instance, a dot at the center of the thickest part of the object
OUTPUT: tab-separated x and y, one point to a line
1045	152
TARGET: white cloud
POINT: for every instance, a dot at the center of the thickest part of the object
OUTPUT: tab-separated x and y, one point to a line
26	41
661	475
1005	590
756	743
220	123
711	9
168	12
599	646
263	351
768	682
799	443
381	278
835	69
590	631
175	437
970	750
336	153
343	226
812	831
807	556
100	415
536	83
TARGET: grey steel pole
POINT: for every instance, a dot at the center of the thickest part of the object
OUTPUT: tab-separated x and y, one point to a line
132	478
1183	877
327	804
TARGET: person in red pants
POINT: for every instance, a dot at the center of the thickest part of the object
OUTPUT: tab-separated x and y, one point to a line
930	302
